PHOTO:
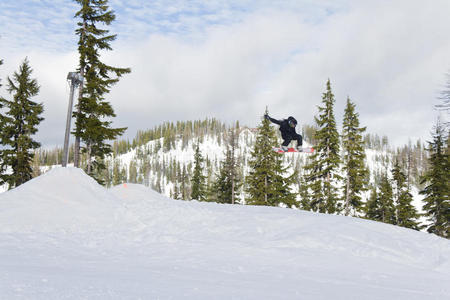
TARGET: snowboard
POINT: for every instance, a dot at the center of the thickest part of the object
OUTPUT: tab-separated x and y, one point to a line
291	150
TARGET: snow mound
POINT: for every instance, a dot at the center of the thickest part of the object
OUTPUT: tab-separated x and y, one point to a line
61	199
63	236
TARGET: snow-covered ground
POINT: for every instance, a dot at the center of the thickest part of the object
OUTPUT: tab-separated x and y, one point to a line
62	236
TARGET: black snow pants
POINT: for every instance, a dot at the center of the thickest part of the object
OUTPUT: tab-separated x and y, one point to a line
287	138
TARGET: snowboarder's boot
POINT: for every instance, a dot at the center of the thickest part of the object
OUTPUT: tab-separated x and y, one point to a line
285	148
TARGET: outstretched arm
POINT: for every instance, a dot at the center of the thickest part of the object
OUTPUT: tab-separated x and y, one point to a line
272	120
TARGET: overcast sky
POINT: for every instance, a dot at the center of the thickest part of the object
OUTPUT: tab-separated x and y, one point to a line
230	59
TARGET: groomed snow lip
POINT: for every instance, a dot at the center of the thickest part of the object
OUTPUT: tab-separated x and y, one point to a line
63	199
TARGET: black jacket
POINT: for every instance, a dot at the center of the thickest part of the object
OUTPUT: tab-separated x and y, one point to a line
286	130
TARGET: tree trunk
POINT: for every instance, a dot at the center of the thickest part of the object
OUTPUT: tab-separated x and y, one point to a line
232	189
408	179
76	153
233	164
347	194
265	191
89	166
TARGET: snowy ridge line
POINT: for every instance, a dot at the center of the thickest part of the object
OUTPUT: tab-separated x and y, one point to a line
377	162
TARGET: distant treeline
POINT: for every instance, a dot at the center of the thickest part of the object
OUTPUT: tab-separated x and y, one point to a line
412	157
170	131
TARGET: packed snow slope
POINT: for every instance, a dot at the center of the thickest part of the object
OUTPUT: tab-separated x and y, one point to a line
62	236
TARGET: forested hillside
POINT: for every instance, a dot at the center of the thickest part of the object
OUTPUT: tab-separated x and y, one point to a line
163	157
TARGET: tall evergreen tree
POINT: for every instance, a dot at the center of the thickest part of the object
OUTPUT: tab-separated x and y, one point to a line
198	179
266	182
354	160
322	171
406	214
437	189
18	125
92	125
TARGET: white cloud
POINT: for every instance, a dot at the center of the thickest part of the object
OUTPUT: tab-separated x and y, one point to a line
231	60
220	76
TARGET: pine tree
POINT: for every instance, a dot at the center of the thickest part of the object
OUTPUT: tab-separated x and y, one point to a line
18	124
232	166
145	170
184	187
406	213
169	138
354	160
221	188
93	111
322	171
305	201
437	189
386	201
132	172
198	179
266	182
373	206
226	186
116	173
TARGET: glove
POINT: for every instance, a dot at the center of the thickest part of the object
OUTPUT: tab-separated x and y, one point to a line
266	116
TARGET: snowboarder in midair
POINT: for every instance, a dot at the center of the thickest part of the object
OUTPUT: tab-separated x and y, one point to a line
287	128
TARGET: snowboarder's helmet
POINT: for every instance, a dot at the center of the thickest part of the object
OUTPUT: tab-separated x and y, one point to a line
292	122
